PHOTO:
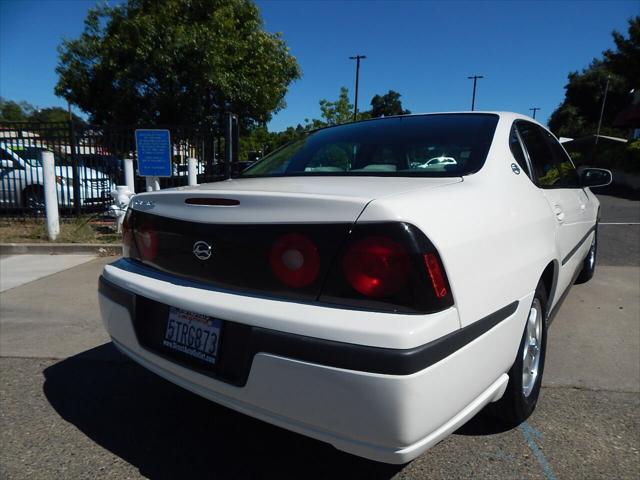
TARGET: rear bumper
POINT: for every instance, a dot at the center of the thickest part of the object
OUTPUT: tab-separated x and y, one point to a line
386	404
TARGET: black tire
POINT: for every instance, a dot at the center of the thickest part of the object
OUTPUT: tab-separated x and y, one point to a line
33	198
516	406
589	265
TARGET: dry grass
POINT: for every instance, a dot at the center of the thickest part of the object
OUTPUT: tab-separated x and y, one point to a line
76	230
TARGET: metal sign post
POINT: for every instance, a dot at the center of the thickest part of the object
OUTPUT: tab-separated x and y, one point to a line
230	144
154	156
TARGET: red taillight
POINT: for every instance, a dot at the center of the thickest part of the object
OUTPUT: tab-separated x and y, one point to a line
295	260
436	275
147	241
376	266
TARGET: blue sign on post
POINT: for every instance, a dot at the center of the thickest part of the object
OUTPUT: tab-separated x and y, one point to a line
154	153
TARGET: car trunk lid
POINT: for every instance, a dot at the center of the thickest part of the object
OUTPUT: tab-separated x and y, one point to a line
230	234
280	200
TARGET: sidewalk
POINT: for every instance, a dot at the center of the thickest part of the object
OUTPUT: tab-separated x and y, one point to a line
55	316
16	270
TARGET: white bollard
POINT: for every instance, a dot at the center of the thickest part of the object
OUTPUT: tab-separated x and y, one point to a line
129	178
50	197
193	171
153	183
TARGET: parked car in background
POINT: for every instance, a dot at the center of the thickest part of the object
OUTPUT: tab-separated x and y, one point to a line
22	179
110	165
182	169
340	291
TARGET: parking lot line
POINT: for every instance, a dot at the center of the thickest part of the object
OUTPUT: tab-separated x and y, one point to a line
528	431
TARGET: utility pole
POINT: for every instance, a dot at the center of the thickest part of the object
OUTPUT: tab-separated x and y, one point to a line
604	99
534	110
357	58
473	98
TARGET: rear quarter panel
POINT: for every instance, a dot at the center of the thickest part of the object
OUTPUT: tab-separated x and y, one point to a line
494	231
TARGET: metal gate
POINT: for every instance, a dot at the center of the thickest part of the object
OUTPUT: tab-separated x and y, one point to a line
89	163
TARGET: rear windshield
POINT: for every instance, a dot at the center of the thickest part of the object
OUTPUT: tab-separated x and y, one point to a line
442	145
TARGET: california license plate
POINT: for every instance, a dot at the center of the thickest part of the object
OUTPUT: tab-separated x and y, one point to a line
193	334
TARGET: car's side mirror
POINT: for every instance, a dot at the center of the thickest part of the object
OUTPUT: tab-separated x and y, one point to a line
595	177
6	163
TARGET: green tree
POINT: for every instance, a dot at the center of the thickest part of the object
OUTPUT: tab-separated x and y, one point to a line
11	111
578	114
334	113
258	140
175	61
387	105
54	114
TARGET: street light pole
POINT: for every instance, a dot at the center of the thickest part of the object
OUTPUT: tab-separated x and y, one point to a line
357	58
473	98
534	110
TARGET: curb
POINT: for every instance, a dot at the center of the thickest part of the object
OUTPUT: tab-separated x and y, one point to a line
100	249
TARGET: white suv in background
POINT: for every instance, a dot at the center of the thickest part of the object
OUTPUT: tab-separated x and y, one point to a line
22	179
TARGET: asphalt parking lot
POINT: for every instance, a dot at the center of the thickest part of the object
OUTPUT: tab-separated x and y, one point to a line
72	407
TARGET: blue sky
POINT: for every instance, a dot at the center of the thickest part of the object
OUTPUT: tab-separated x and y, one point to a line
424	50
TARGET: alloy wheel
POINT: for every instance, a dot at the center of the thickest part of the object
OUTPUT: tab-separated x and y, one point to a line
532	348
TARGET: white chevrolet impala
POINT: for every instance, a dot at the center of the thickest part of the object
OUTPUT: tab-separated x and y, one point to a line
348	288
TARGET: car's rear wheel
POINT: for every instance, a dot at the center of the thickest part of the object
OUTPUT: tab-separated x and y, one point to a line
525	377
589	265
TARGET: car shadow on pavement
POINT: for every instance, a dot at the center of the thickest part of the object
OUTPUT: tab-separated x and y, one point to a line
168	432
484	423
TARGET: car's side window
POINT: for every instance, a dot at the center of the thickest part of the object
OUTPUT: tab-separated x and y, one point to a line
568	175
516	150
551	170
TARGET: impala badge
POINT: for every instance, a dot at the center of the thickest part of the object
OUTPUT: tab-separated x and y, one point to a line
140	204
515	169
202	250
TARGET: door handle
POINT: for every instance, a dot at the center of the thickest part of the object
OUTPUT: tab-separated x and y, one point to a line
559	213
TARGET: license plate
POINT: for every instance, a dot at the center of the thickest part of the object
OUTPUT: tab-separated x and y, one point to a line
193	334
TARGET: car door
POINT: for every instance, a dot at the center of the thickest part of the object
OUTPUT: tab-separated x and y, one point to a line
10	180
558	180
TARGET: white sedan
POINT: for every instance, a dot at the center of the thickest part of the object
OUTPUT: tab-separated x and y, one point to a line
337	291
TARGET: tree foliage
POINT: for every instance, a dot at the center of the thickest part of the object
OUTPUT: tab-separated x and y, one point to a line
331	113
11	111
54	114
339	111
175	61
579	112
387	105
